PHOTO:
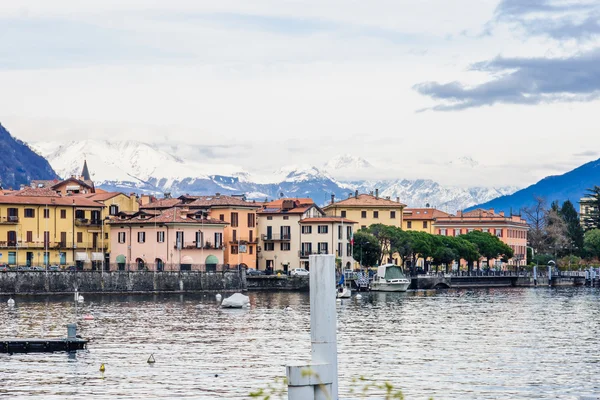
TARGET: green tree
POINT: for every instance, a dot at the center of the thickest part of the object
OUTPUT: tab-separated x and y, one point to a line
443	255
489	246
591	242
387	237
366	248
574	229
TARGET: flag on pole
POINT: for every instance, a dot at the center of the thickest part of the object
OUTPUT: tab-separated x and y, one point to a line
351	238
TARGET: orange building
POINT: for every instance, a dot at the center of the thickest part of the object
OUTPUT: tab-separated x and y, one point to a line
512	229
421	219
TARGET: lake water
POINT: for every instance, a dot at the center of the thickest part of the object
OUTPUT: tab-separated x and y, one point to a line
534	343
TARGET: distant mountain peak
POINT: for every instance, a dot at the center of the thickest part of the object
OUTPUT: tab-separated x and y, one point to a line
346	161
464	161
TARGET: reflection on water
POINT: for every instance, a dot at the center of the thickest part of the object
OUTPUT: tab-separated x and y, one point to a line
455	344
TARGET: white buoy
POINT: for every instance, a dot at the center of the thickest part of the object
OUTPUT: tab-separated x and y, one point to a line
218	296
80	299
358	296
338	301
11	302
288	308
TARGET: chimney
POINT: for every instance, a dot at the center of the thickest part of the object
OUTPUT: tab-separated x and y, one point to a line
349	194
356	194
376	193
502	213
397	199
332	198
217	194
491	210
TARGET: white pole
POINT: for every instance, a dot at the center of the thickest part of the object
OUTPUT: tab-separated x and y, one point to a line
322	382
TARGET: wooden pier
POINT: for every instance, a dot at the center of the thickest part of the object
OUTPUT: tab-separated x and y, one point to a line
40	345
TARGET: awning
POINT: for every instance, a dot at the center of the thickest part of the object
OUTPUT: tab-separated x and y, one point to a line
120	259
79	256
97	256
212	260
186	260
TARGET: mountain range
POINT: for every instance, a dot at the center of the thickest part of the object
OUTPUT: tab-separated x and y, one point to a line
569	186
19	164
133	166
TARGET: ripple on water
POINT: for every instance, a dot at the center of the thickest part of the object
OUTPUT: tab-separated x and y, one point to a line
456	344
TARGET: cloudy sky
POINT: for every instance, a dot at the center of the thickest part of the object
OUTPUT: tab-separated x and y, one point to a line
412	86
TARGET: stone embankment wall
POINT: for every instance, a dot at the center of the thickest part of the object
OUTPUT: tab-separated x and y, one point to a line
274	282
39	282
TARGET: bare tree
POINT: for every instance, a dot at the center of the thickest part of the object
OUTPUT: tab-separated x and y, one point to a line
556	235
536	217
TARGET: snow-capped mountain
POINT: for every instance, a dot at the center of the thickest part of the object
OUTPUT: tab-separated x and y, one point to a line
142	167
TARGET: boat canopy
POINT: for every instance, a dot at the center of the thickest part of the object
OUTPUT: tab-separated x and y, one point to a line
390	271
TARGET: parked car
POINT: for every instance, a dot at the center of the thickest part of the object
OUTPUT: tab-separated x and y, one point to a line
252	271
298	272
23	268
37	268
4	268
54	268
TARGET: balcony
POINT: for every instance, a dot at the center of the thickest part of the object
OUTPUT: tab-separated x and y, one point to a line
305	254
244	240
52	245
276	237
87	222
11	219
199	246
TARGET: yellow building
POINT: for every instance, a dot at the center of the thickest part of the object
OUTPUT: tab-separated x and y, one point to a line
421	219
41	227
368	209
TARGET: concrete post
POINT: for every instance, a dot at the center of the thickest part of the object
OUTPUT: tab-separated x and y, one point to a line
535	275
71	331
322	381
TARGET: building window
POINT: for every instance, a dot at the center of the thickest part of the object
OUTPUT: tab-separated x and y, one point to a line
179	239
105	235
323	248
234	249
29	236
486	230
234	235
499	232
80	214
470	230
343	214
443	232
375	214
46	213
222	217
306	248
348	250
270	246
306	229
424	224
218	240
12	257
121	237
339	250
113	209
250	250
340	232
199	240
286	217
348	232
322	229
141	237
284	246
63	214
160	236
269	218
234	219
363	227
456	232
392	214
363	214
285	232
409	225
251	220
29	213
79	237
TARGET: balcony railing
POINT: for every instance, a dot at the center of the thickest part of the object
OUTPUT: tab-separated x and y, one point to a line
244	240
87	222
11	244
194	245
276	237
9	220
305	254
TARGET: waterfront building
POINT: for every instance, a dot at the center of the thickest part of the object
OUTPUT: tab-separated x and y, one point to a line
240	235
279	232
169	239
511	229
587	208
421	219
326	235
40	227
367	209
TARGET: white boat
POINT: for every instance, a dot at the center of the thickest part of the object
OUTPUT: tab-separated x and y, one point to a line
236	300
344	292
390	278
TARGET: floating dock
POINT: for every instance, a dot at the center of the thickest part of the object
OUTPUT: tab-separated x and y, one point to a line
37	345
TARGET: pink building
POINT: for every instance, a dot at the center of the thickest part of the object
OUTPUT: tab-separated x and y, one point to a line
170	239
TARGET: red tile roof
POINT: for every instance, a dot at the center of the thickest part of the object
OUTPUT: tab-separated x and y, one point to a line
422	214
162	203
219	201
171	215
287	206
67	201
366	200
37	192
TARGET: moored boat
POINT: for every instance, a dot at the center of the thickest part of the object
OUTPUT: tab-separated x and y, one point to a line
390	278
